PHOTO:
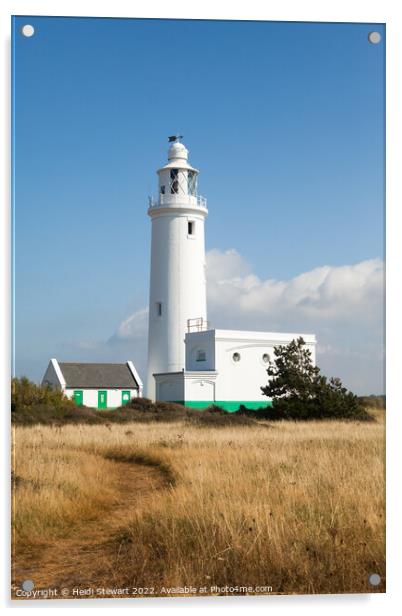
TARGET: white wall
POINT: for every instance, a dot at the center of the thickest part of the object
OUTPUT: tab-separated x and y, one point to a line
241	380
200	387
181	386
169	387
200	341
90	396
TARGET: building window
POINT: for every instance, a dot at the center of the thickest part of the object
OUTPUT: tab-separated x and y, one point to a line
236	357
190	227
162	190
174	181
158	307
265	358
201	356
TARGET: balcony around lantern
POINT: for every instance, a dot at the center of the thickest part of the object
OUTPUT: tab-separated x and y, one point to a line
178	200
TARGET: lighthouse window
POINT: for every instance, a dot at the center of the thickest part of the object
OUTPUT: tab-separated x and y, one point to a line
192	183
190	227
201	356
174	181
158	307
162	190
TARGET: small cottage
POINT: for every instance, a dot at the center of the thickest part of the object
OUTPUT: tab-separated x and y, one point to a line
101	386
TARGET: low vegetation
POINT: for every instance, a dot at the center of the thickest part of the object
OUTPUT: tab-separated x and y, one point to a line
32	404
64	411
298	506
373	402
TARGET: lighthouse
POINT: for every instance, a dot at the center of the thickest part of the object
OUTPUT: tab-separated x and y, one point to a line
189	362
177	298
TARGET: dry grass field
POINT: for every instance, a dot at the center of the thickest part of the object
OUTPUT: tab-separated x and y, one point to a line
295	506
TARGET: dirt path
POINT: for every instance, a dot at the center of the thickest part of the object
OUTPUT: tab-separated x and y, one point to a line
87	557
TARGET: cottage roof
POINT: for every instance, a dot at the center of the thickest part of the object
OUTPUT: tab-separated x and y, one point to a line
108	376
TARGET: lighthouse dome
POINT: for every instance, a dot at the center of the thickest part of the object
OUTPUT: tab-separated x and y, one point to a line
177	150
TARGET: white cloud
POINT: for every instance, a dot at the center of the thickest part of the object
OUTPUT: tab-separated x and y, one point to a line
135	327
344	293
228	265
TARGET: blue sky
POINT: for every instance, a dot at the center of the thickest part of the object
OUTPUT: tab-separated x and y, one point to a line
285	122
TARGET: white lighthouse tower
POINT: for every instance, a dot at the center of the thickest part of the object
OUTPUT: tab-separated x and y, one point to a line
177	299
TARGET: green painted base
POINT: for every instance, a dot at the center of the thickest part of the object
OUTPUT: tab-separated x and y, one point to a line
228	405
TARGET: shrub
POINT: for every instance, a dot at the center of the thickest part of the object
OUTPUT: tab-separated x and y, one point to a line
24	393
299	391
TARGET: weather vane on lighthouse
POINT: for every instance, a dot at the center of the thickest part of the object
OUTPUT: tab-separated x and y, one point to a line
173	138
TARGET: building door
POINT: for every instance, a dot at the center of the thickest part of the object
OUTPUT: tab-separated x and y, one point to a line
125	397
78	397
102	399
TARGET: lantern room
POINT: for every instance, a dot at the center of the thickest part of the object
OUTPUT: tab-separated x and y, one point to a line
177	178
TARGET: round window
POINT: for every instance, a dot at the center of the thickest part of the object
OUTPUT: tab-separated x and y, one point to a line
236	357
265	358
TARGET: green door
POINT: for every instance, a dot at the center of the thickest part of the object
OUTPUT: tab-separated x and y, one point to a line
125	397
78	397
102	399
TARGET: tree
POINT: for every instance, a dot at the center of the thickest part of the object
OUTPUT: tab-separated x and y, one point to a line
299	391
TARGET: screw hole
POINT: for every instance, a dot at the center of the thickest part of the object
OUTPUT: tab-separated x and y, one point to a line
374	37
374	579
28	30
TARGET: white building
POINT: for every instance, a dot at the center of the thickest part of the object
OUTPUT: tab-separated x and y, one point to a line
187	361
224	367
101	386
